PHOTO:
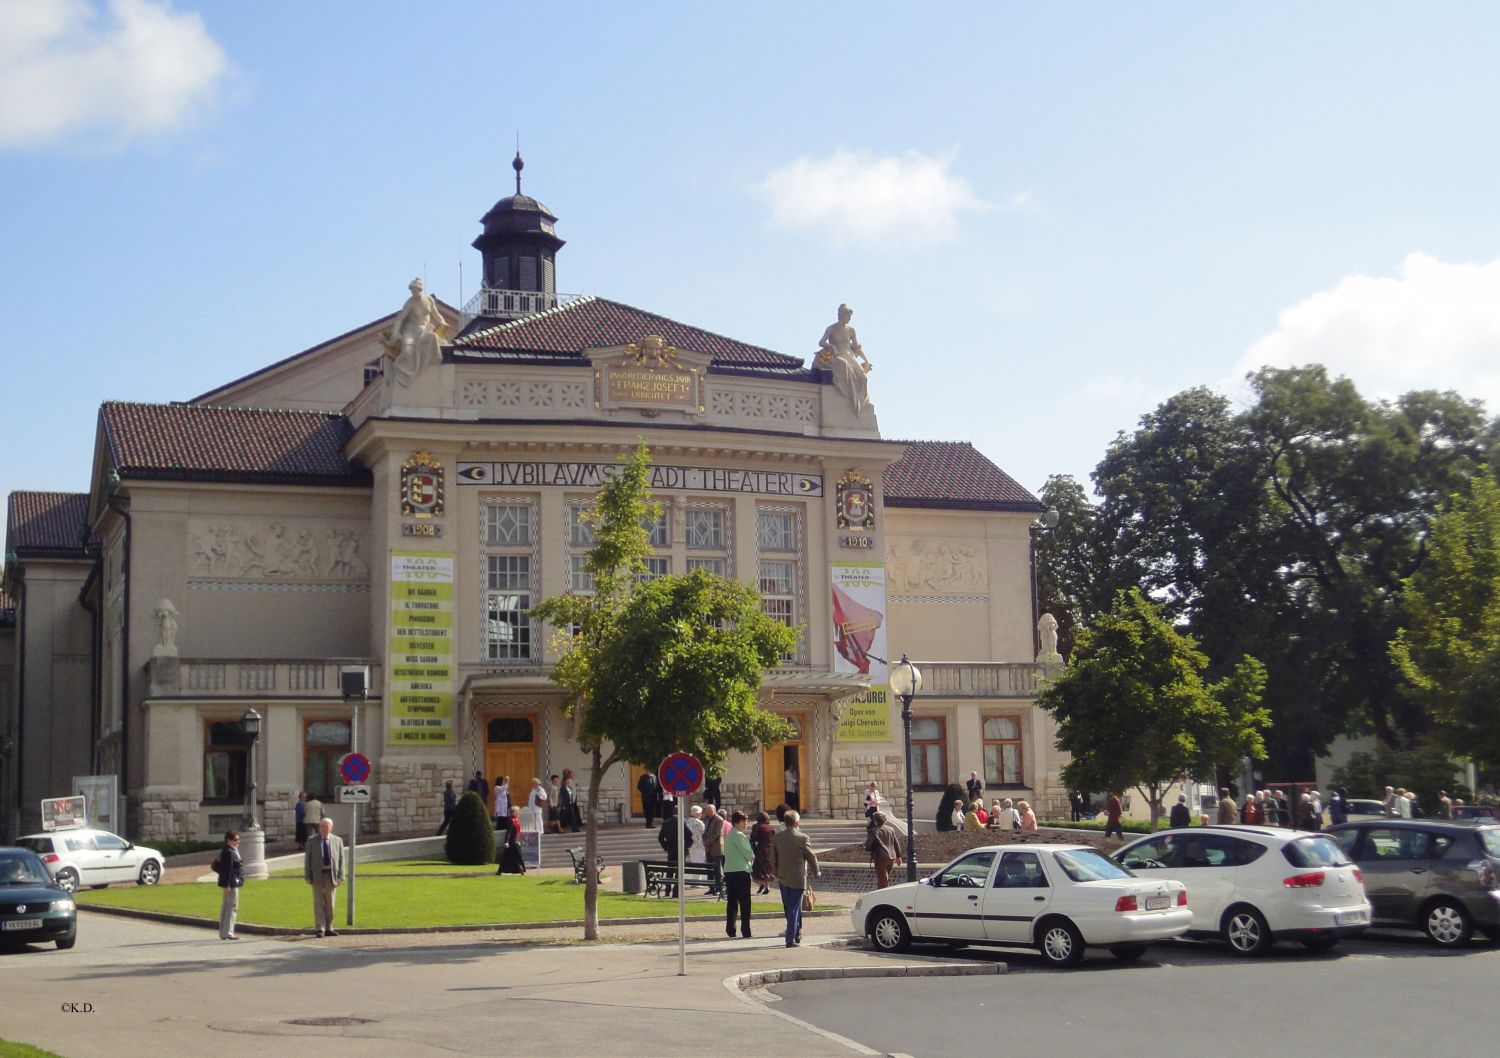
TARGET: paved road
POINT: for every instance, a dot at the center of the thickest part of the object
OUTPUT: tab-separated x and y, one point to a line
1392	994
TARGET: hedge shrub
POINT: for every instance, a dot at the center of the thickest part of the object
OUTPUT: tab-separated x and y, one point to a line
471	834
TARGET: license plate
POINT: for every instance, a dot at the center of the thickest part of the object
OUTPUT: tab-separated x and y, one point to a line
1350	918
23	923
1158	903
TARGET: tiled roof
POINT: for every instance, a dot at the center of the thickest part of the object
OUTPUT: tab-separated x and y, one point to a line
597	323
45	522
952	474
200	441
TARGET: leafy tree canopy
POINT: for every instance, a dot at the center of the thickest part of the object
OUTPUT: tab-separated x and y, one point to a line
1133	708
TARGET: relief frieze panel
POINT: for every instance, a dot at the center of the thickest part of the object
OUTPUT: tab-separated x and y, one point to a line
277	550
936	566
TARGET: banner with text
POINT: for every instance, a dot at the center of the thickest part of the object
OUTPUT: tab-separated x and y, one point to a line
419	664
859	633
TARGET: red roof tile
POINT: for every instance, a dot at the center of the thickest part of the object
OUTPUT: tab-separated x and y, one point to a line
952	474
194	441
597	323
45	522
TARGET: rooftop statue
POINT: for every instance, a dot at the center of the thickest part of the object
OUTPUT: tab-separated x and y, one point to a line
840	352
414	339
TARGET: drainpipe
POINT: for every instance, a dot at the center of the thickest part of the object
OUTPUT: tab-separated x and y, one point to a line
123	510
96	662
17	578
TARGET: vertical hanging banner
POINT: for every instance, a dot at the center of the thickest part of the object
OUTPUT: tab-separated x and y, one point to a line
858	633
419	663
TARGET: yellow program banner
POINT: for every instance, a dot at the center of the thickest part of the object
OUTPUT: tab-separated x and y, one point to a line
420	650
859	644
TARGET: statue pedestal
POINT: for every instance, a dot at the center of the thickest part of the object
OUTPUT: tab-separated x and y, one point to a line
253	855
166	673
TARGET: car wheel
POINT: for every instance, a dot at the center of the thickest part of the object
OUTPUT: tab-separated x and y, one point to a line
67	941
1129	953
68	879
150	873
1060	942
1322	943
1447	924
889	932
1246	931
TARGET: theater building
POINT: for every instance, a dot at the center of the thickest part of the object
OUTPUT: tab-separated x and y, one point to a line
399	496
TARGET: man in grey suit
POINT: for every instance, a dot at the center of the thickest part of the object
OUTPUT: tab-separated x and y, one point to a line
791	859
323	869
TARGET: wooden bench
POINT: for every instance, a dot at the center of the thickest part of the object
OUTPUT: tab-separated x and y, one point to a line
579	876
661	877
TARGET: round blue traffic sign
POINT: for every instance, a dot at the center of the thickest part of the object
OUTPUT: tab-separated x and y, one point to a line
680	773
354	767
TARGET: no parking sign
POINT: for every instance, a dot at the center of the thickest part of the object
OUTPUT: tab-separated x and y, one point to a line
680	773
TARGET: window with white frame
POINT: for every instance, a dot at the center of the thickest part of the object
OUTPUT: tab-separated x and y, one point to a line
706	536
509	535
659	532
778	543
580	540
1002	751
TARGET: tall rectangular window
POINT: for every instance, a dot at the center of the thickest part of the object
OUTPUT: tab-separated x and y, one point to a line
778	574
929	751
226	761
580	540
1002	751
509	534
323	743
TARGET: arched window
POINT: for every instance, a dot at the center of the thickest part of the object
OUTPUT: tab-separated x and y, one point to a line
510	729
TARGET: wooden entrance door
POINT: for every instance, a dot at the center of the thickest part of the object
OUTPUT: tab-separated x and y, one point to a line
777	761
510	749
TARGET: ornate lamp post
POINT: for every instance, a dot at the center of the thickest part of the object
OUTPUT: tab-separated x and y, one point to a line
1045	523
253	841
906	684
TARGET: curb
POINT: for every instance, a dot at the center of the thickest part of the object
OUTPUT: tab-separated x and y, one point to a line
477	927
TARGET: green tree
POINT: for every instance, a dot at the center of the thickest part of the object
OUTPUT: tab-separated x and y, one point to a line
1425	771
656	666
1449	650
1133	707
1069	573
471	834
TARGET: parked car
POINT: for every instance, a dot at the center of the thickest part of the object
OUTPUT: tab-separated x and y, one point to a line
1252	886
33	907
1484	812
1060	898
1436	875
94	857
1363	808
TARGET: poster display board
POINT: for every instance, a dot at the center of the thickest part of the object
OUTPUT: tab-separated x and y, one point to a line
859	640
532	821
60	813
419	662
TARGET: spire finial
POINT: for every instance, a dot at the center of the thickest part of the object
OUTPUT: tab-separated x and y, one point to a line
518	164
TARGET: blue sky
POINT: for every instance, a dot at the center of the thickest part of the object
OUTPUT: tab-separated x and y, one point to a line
1047	218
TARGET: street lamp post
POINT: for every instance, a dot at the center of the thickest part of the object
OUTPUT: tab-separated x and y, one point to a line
906	684
1045	523
253	840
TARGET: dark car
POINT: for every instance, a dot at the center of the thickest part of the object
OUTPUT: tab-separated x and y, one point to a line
33	908
1437	875
1484	812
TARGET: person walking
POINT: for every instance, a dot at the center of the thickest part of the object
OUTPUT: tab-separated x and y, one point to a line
323	869
1445	805
715	830
554	817
737	858
1112	811
511	860
1228	810
650	791
1181	817
761	837
312	815
231	871
885	848
793	860
299	819
1338	806
536	805
450	804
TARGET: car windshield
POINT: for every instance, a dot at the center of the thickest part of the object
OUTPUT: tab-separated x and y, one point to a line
22	870
1314	851
1086	865
1489	837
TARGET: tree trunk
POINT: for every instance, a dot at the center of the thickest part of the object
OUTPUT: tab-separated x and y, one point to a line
1153	792
590	844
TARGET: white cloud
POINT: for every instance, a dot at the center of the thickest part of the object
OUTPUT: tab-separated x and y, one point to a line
66	71
858	197
1434	326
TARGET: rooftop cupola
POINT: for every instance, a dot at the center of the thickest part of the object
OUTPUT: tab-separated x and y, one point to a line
519	246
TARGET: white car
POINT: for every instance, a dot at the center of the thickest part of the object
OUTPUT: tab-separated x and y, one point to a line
1254	885
1059	898
94	858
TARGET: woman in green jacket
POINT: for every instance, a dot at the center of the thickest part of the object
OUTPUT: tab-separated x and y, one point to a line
737	858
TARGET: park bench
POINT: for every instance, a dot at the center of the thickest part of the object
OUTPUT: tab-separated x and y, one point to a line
578	865
661	877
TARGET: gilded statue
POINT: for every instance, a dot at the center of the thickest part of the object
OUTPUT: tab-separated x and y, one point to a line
839	351
414	339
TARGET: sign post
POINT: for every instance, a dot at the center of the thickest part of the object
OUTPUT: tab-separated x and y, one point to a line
681	774
353	768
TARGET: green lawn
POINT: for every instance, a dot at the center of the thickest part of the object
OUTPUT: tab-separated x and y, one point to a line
22	1050
416	899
